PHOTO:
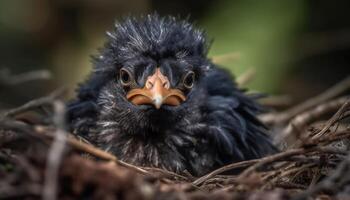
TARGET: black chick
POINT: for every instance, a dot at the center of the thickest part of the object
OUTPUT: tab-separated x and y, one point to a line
154	99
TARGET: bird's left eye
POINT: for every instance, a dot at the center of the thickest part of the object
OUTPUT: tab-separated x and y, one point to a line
188	80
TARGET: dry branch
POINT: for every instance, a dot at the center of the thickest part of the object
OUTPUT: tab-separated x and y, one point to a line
55	154
334	119
283	117
8	79
232	56
246	77
44	101
333	183
294	129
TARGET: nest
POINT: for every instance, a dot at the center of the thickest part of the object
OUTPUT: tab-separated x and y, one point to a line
39	159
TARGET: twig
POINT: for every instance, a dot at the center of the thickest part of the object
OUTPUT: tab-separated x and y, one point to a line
224	169
325	140
293	131
47	100
246	77
333	182
55	154
257	163
283	117
90	149
41	133
307	163
165	173
278	157
284	173
219	59
78	145
334	119
6	78
133	167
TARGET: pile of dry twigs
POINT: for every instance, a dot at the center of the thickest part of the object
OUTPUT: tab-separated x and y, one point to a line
39	159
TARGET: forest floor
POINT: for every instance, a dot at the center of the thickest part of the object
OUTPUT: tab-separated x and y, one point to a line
39	159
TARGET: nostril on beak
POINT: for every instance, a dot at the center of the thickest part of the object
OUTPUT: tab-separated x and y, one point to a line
166	85
149	85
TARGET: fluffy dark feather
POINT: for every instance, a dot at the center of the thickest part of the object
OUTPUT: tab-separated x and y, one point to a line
216	125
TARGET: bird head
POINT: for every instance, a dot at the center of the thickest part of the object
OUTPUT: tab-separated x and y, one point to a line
150	70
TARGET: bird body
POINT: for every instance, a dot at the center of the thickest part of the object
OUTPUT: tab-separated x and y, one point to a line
154	99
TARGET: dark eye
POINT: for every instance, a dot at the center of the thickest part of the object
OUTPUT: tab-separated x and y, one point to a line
188	80
125	77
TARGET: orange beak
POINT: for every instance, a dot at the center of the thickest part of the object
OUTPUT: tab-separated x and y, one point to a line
156	92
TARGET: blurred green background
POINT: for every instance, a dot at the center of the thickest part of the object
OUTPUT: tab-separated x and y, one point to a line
296	47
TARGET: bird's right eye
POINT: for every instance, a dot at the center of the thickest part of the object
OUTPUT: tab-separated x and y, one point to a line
126	78
188	80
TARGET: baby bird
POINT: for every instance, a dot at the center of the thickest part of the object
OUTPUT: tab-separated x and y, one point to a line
155	99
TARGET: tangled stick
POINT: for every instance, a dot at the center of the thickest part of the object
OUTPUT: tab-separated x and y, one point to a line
332	183
246	77
285	116
8	79
232	56
224	169
334	119
294	129
55	154
283	156
44	101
